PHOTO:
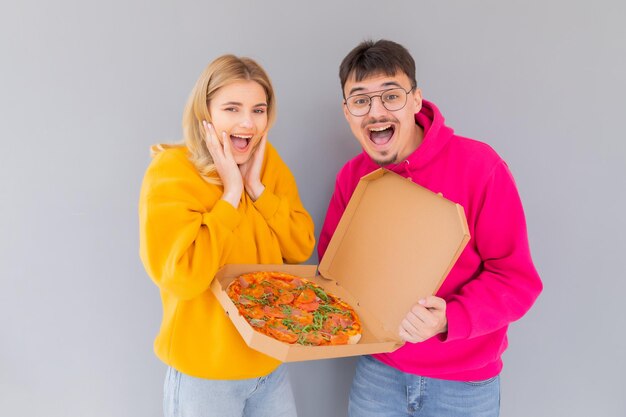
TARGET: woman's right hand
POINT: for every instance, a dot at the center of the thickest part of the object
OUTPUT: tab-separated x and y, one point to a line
225	164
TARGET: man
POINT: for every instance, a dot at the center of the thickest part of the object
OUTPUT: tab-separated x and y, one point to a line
450	363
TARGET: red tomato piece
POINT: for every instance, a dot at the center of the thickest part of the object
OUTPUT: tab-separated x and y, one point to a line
306	296
285	298
309	306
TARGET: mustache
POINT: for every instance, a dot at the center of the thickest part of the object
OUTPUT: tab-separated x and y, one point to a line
373	120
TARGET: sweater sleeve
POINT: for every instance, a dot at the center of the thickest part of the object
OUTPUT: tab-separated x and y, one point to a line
507	284
182	243
284	213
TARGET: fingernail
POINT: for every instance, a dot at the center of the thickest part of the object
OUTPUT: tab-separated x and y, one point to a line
422	301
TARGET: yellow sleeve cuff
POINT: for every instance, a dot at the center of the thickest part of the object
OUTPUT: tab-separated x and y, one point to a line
267	204
225	213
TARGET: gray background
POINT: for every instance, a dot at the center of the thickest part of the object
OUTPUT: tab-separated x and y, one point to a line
86	87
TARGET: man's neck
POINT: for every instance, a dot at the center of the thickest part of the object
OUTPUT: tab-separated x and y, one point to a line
418	138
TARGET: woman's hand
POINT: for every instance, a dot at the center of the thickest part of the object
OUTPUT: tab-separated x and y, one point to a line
225	163
251	171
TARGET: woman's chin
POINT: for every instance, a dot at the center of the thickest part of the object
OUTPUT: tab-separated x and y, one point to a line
241	159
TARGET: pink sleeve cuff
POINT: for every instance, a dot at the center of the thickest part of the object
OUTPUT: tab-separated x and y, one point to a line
459	325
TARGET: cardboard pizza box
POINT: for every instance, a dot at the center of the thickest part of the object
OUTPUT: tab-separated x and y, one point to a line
395	243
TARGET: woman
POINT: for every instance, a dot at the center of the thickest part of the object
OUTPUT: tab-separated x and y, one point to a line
224	196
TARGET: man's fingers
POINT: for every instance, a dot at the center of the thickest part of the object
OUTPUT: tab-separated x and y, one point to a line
408	336
424	320
432	302
420	314
408	326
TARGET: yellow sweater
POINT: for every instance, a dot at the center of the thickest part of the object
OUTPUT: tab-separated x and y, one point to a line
187	233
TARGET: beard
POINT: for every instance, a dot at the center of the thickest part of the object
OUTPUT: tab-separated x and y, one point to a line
383	160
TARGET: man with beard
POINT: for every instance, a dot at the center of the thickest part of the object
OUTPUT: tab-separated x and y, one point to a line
451	361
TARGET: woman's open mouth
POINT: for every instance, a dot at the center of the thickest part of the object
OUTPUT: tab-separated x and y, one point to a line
240	142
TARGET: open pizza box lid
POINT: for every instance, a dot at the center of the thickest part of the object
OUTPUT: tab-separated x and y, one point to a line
395	244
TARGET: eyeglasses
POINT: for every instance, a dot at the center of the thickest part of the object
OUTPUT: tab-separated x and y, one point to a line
393	99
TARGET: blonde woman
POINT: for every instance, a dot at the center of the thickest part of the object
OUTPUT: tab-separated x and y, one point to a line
224	196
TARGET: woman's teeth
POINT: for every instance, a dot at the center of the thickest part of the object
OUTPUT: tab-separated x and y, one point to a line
240	141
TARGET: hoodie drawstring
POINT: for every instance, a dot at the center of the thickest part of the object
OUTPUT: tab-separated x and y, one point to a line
407	164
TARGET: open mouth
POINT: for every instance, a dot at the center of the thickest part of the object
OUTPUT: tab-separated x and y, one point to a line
380	135
240	142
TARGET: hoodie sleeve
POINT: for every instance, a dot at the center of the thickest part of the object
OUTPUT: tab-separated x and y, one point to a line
280	206
336	207
182	242
507	284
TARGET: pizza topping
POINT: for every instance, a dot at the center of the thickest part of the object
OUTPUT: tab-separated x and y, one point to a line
309	306
339	339
294	310
243	281
257	322
273	312
313	339
282	333
285	298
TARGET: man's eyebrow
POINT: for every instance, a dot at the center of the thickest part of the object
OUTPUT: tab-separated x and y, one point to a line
391	83
387	84
355	90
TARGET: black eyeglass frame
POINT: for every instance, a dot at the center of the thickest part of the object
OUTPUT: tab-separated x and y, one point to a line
382	92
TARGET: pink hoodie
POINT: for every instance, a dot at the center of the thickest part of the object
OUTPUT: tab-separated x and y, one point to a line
494	281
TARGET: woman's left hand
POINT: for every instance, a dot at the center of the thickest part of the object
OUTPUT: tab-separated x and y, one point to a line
251	171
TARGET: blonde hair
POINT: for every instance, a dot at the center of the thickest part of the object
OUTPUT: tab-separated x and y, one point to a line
222	71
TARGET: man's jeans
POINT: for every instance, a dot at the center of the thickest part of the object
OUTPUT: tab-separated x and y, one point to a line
268	396
379	390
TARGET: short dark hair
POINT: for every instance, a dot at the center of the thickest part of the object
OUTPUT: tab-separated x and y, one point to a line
380	57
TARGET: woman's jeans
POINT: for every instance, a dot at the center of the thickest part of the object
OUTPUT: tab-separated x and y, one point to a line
268	396
379	390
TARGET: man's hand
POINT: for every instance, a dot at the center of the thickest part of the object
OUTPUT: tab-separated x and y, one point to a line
426	319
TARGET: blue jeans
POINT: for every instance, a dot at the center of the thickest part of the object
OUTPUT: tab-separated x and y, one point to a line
268	396
379	390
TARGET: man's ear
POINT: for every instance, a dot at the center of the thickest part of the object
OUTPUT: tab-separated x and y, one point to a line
346	113
417	99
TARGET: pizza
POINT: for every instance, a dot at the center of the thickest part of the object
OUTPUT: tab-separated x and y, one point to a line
294	310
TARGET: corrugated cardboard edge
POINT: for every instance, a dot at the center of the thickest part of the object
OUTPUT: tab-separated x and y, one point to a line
462	245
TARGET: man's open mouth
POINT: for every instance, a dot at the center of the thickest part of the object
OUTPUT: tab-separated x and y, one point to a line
240	141
380	135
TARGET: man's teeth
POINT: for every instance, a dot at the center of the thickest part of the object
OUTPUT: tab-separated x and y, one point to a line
379	129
